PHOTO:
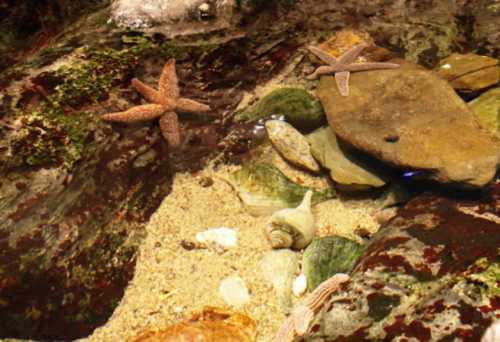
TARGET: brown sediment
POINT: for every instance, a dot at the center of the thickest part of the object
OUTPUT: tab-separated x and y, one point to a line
171	281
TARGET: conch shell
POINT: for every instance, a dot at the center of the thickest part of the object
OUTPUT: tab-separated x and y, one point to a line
292	227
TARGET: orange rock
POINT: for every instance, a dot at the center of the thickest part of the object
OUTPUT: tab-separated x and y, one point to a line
344	40
209	325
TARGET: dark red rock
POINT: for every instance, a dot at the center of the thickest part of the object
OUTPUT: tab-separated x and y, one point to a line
419	275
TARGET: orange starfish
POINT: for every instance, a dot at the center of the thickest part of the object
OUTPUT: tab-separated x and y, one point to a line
165	103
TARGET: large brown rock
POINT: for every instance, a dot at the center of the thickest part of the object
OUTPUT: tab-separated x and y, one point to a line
430	274
411	119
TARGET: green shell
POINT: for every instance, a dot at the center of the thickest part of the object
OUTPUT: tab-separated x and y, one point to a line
265	189
300	109
326	256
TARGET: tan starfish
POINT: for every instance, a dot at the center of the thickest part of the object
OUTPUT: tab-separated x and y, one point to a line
302	315
344	65
165	103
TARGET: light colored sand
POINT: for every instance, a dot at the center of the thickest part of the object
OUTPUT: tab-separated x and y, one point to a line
170	281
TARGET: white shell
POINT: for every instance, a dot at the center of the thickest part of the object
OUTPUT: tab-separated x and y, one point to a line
218	237
291	144
299	286
292	227
234	291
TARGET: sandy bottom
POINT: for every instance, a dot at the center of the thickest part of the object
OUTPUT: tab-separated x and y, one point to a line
170	281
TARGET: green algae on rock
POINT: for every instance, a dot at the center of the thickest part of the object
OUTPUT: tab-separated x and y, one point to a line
329	255
264	189
487	110
301	109
469	72
345	167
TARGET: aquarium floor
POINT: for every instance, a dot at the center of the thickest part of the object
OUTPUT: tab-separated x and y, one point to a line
170	281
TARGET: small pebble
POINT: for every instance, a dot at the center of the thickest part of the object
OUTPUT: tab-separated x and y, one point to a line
219	238
234	291
299	286
206	182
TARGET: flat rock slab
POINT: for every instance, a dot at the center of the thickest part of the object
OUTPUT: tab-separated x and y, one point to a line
469	72
413	120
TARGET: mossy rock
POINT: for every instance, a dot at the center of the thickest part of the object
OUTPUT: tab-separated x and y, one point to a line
299	108
329	255
487	110
264	189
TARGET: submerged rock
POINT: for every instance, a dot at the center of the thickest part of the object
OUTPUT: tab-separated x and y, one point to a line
345	167
210	324
411	119
487	110
297	106
469	72
291	144
430	274
264	189
279	268
327	256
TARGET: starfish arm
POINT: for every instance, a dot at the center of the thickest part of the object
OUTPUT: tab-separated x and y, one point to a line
138	113
316	299
302	317
150	94
342	80
168	84
322	70
324	56
350	55
170	129
371	66
287	331
191	106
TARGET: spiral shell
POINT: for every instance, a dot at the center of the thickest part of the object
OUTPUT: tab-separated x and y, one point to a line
292	227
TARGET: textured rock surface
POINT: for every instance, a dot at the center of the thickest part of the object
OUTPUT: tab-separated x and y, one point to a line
487	110
346	168
413	120
430	274
329	255
469	72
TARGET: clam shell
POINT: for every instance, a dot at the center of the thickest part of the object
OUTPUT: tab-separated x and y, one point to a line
292	145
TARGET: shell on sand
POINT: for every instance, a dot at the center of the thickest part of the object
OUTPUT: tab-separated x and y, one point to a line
292	145
211	324
292	227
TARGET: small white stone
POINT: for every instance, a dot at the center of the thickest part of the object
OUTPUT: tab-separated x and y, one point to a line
446	66
299	286
234	291
218	237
